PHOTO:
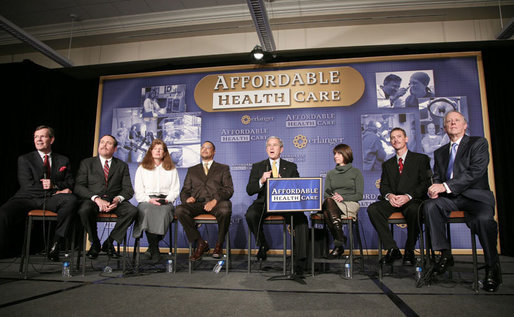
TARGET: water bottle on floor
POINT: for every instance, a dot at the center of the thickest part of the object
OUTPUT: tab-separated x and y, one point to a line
219	265
419	271
347	270
169	264
66	269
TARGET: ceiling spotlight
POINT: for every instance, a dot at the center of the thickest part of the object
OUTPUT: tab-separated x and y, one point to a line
257	54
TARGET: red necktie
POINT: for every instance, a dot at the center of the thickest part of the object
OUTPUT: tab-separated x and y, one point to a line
400	164
46	164
106	170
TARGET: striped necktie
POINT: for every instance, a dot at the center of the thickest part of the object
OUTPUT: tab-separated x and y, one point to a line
106	170
46	164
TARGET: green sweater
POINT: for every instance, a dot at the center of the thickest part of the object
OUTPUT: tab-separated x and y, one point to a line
345	180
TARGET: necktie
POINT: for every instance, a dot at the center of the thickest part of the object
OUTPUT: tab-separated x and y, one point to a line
400	165
106	170
453	153
206	168
46	164
274	171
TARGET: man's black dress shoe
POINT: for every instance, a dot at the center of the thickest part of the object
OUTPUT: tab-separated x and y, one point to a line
336	253
261	254
492	279
445	261
53	252
391	256
93	251
108	248
408	258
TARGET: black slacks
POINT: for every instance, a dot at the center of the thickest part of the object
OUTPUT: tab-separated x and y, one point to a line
380	211
300	222
125	212
14	212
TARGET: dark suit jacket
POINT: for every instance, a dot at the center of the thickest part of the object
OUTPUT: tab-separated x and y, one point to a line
414	179
215	185
287	169
30	171
90	179
470	178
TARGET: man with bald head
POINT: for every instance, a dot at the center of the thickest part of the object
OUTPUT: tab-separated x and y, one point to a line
461	183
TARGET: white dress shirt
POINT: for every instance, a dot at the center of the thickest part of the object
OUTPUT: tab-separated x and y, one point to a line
156	182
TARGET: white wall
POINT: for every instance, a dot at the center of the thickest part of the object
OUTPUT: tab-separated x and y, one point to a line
344	36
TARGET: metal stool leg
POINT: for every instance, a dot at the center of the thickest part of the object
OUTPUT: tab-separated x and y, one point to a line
475	264
284	240
175	236
27	248
359	241
249	251
349	224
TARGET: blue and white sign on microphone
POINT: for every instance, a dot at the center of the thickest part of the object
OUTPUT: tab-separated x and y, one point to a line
294	194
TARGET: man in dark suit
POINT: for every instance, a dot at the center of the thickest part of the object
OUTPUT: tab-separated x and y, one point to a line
403	186
274	166
207	189
461	183
45	183
103	183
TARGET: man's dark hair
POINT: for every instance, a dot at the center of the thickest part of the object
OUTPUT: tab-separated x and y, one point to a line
398	129
391	77
115	141
51	132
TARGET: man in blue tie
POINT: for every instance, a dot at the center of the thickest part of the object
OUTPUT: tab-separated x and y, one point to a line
461	183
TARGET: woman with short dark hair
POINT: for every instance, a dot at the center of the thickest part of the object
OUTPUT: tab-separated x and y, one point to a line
344	187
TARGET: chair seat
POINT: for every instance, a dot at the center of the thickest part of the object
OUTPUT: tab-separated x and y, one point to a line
457	214
105	216
40	213
396	215
319	217
205	217
274	218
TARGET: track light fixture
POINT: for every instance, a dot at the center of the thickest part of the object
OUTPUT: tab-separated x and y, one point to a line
257	54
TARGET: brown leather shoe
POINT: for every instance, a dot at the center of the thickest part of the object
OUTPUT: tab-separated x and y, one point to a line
218	251
202	247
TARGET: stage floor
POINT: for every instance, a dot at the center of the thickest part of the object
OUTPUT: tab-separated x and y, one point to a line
152	292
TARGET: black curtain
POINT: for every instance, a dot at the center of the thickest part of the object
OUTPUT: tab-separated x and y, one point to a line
66	99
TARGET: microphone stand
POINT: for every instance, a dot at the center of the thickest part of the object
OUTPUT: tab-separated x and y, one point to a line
292	276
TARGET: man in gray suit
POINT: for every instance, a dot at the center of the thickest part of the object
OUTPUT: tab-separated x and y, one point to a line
207	189
103	183
461	183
